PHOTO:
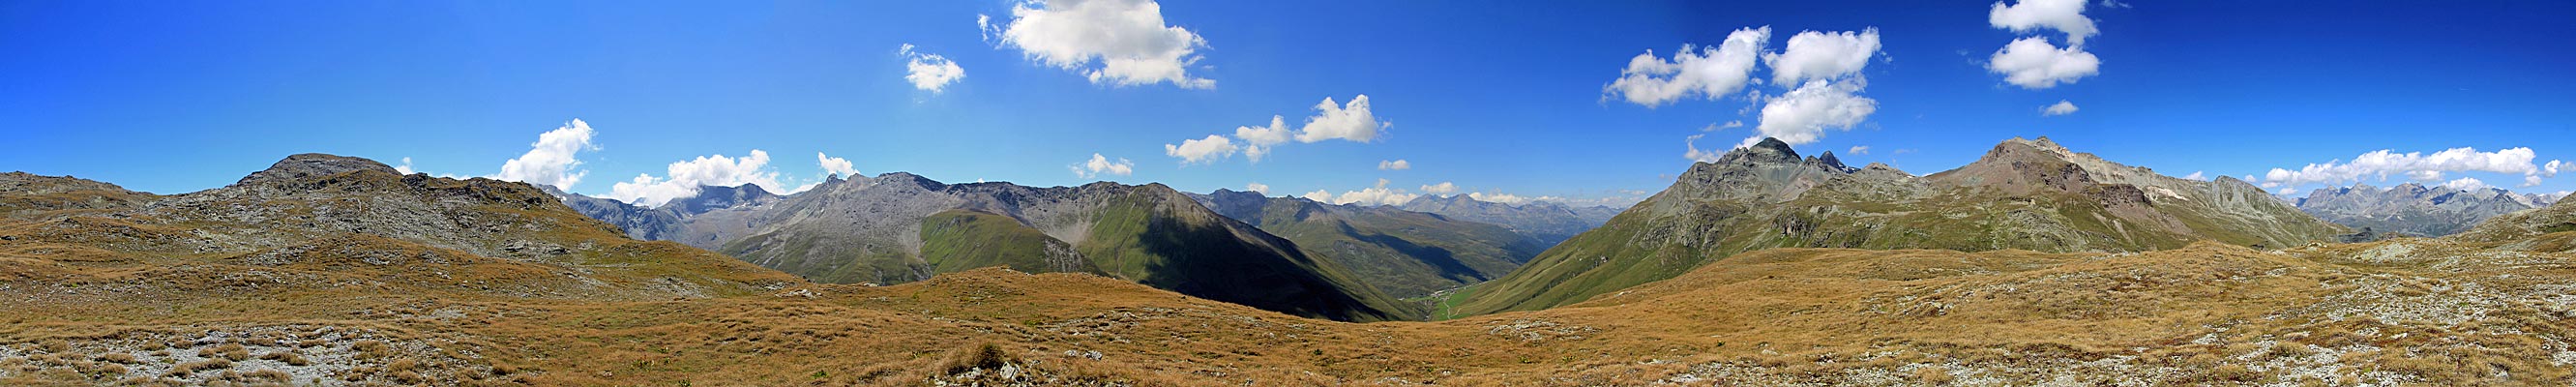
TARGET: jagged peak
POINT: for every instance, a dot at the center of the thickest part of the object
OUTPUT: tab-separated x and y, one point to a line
308	165
1769	150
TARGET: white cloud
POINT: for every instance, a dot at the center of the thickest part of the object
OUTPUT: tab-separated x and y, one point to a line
1202	151
1396	165
552	159
1378	195
1801	116
1858	150
1710	72
1725	126
1443	188
1258	140
686	176
2529	181
1822	56
1099	165
2066	16
2197	175
2034	63
2550	170
1257	187
2412	165
836	165
1503	198
1352	122
2465	183
405	168
2062	107
1332	120
1118	42
1319	196
1698	155
2286	191
929	71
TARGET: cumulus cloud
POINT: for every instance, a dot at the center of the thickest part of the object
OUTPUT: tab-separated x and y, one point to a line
1443	188
1372	196
2413	165
1115	42
1257	140
1395	165
836	165
685	177
552	158
1858	150
2061	108
1257	187
1822	56
1351	122
929	71
1202	151
1100	165
2066	16
2034	63
405	168
1332	120
1503	198
1695	154
2465	183
1724	126
2197	175
1802	116
1707	72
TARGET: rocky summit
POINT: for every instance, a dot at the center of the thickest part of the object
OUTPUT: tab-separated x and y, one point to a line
2023	194
2416	209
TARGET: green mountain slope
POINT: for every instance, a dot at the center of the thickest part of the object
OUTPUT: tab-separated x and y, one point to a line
901	228
2024	194
1405	253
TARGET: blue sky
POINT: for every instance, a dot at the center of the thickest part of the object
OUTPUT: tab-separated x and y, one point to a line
173	97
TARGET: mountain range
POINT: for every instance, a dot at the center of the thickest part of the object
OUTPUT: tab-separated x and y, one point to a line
1408	254
2416	209
900	227
1547	222
331	270
2023	194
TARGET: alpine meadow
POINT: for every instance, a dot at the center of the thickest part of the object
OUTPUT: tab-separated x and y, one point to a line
1336	193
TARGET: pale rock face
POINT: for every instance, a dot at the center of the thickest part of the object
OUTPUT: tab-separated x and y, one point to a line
2415	209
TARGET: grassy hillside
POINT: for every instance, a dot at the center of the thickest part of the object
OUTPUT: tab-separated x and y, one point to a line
1149	234
1407	254
2025	195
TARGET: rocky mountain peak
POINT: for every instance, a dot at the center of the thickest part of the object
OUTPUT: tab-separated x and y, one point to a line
310	165
1770	150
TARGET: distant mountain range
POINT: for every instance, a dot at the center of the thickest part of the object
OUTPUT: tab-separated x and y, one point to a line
900	227
1547	222
1408	254
2416	209
2023	194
